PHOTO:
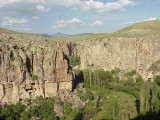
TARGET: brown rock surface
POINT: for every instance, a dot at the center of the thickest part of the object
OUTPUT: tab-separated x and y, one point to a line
120	52
32	66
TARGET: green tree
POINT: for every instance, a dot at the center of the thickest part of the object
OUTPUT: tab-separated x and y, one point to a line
157	79
34	77
12	112
74	60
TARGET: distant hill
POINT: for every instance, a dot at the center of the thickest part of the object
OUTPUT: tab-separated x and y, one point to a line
140	29
6	31
59	34
136	30
46	35
84	34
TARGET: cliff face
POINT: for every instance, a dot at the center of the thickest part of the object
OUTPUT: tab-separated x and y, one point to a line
123	53
31	66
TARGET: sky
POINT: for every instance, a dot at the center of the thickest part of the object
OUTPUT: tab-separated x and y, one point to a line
75	16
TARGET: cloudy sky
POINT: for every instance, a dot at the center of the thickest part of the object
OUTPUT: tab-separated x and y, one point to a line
75	16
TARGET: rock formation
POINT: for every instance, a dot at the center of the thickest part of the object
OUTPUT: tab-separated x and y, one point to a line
121	52
31	66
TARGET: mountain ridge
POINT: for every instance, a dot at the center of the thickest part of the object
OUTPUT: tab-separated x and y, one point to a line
138	29
6	31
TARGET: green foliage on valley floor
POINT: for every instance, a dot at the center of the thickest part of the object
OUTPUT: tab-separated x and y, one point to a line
146	94
106	95
107	104
12	112
74	60
40	108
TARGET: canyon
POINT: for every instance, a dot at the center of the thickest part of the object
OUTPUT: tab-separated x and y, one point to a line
95	76
125	53
32	66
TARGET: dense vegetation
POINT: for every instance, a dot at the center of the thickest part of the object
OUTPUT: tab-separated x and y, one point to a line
74	60
145	93
12	112
108	95
40	108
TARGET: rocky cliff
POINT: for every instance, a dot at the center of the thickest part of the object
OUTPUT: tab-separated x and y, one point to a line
32	66
125	53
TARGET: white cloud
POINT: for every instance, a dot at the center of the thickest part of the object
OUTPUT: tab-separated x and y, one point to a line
8	21
88	5
22	9
97	22
26	29
68	3
21	28
150	19
4	3
126	2
73	21
42	2
35	17
41	8
108	7
102	7
133	22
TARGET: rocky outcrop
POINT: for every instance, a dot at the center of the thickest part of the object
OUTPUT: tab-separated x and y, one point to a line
120	52
32	66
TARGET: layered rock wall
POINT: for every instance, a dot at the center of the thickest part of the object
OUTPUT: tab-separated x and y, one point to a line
31	67
123	53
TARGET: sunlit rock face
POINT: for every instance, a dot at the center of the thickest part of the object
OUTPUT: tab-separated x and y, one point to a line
31	66
120	52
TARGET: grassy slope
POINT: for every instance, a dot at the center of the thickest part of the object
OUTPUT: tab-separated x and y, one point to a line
140	29
135	30
113	105
6	31
125	104
97	36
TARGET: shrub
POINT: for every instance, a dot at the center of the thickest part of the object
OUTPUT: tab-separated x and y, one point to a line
43	110
132	73
67	107
74	60
157	79
12	112
88	95
13	58
34	77
139	79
